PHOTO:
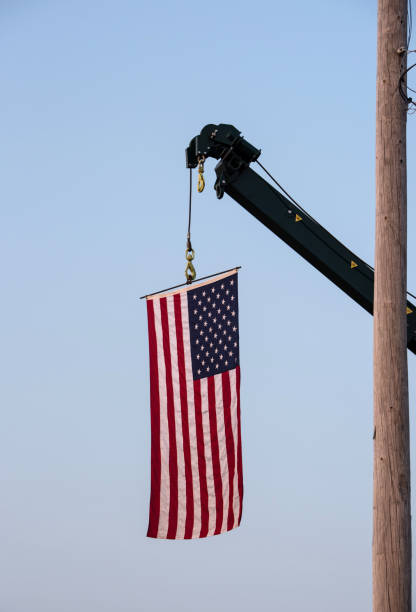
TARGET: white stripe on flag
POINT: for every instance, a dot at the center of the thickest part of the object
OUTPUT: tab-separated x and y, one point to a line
222	445
180	532
208	456
191	416
164	429
234	424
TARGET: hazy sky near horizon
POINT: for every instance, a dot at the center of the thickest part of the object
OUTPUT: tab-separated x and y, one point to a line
99	101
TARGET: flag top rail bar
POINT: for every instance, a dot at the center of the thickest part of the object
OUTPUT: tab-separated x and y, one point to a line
195	281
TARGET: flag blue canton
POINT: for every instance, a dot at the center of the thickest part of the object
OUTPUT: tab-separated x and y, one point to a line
213	324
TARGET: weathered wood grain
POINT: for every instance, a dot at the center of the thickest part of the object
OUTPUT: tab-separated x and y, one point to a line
391	518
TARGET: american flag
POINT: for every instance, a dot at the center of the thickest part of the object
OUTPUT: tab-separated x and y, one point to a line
196	464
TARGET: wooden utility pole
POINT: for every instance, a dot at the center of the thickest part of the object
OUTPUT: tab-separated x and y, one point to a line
391	502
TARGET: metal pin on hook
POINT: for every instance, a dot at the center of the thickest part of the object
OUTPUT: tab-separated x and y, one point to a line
201	180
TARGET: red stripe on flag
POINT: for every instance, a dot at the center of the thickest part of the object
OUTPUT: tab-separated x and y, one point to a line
154	509
215	454
201	460
173	460
239	450
229	441
189	521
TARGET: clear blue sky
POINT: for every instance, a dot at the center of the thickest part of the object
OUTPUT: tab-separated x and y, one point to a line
98	102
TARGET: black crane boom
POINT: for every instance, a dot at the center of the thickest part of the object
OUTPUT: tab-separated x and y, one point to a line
284	218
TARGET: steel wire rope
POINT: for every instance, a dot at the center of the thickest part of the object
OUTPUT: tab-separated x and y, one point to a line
188	235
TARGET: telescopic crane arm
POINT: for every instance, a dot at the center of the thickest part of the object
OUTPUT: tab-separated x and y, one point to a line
284	218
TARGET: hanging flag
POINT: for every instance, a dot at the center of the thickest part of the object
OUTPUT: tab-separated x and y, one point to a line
196	465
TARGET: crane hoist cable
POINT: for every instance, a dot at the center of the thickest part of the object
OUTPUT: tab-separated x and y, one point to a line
190	273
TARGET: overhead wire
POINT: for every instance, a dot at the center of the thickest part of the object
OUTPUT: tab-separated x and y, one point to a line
403	87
